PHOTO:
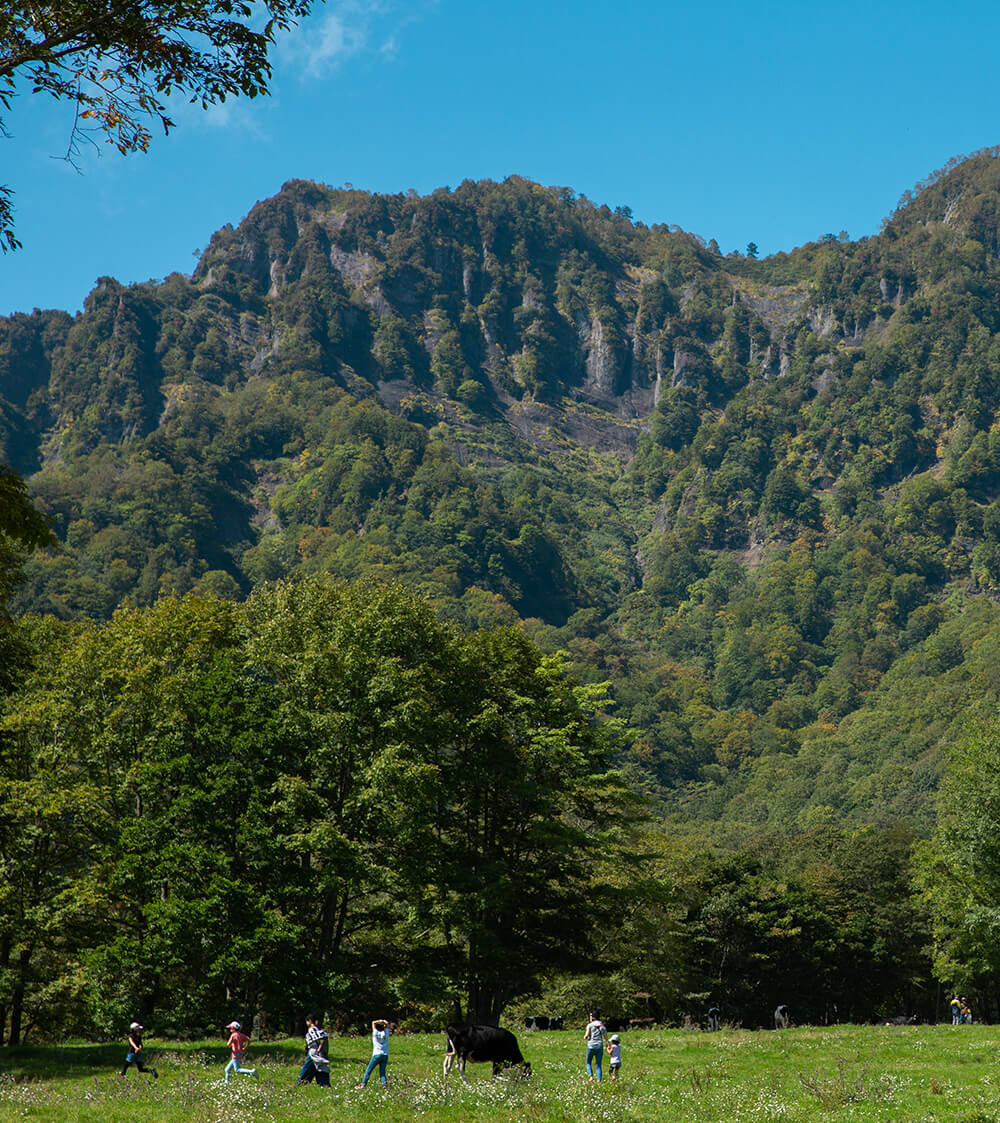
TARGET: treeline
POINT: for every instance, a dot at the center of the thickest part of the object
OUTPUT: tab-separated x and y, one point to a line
325	797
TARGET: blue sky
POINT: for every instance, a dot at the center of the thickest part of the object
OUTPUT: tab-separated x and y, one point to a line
774	123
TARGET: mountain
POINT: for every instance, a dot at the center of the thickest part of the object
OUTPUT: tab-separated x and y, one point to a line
759	496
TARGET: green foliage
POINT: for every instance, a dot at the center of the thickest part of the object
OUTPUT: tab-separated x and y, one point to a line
757	497
206	803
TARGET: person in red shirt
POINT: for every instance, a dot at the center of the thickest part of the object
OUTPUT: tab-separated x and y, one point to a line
238	1042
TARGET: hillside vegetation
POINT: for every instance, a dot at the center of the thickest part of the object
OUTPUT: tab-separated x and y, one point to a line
759	498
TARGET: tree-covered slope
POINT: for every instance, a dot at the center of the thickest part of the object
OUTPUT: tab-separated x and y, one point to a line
759	496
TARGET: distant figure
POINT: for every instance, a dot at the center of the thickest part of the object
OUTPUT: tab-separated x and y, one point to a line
258	1025
714	1019
615	1055
782	1019
966	1012
317	1063
134	1054
238	1042
380	1053
596	1037
956	1011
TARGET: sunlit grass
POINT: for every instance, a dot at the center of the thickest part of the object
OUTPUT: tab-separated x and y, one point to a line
837	1073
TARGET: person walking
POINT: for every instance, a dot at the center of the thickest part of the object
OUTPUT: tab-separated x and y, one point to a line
956	1011
238	1042
380	1052
134	1054
596	1037
615	1055
317	1064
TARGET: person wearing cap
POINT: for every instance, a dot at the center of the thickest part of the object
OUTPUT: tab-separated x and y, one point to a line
380	1053
317	1063
596	1037
134	1054
615	1055
238	1042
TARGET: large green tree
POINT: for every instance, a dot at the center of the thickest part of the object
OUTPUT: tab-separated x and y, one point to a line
321	797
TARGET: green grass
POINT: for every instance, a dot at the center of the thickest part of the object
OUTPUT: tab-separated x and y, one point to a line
838	1073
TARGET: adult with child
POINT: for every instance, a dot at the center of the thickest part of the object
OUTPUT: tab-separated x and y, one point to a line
380	1052
317	1064
596	1037
134	1054
238	1043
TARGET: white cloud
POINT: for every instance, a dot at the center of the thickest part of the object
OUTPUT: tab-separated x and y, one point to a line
345	29
233	115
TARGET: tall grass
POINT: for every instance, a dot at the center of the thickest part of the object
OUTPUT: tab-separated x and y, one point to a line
915	1073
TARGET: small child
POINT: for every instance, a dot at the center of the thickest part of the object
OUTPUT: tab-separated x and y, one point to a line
238	1043
615	1056
134	1055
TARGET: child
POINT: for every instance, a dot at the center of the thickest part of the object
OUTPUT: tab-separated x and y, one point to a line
317	1064
615	1055
238	1043
380	1052
134	1055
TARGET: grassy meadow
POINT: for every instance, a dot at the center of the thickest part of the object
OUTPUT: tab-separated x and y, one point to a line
841	1072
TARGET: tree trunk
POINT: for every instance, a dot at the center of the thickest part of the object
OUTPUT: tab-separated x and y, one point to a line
485	1004
4	960
17	998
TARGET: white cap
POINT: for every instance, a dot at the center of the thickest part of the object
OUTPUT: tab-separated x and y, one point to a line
233	1025
135	1025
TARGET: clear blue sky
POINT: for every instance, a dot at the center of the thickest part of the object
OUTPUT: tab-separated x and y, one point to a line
774	123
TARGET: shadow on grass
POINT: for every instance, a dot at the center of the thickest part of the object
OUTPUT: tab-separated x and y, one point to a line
50	1062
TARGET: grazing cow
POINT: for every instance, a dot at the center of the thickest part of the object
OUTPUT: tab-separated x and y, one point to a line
902	1020
782	1018
483	1043
538	1022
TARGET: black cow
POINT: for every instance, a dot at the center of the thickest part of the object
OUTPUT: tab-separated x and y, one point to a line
902	1020
617	1025
534	1021
483	1043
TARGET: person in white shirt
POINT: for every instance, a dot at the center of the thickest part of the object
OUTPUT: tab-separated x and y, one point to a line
615	1055
380	1052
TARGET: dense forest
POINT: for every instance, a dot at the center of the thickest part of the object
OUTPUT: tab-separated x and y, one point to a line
759	500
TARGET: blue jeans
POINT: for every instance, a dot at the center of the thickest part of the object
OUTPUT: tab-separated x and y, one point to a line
380	1059
235	1065
595	1054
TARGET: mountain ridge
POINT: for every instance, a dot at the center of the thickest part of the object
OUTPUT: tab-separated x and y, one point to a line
749	492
